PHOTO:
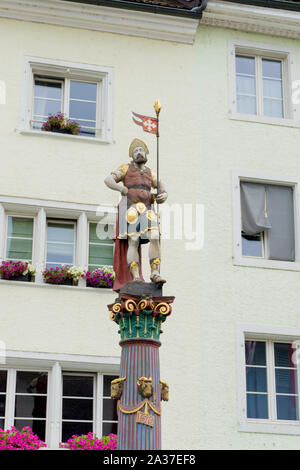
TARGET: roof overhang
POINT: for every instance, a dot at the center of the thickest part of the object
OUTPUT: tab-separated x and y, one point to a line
255	18
148	23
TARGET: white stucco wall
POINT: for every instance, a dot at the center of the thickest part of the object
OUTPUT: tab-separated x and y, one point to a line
200	147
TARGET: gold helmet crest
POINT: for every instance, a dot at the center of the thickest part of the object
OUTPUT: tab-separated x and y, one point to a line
137	143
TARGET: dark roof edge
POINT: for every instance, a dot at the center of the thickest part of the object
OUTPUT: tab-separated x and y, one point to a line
282	5
195	13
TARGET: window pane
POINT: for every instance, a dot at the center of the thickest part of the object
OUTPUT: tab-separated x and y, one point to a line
109	428
38	427
100	250
60	253
71	429
20	227
256	379
257	406
31	382
246	104
2	424
83	91
245	65
284	355
3	380
110	409
287	407
2	405
106	384
48	100
286	381
19	249
76	386
252	245
60	232
27	406
272	68
77	408
47	89
82	110
273	108
44	107
255	353
245	85
272	88
101	255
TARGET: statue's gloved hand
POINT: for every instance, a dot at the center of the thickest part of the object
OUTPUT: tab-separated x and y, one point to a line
161	197
124	191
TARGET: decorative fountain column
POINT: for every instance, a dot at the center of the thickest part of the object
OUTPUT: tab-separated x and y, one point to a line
140	312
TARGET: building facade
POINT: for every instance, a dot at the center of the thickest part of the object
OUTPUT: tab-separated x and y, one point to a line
227	79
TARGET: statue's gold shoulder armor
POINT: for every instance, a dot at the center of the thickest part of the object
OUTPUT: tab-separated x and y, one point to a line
123	169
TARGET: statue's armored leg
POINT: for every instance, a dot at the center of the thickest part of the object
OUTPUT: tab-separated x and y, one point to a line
133	258
154	256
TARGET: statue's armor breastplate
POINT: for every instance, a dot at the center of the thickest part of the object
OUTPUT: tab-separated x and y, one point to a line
139	183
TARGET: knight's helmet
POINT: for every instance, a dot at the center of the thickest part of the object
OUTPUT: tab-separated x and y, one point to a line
137	143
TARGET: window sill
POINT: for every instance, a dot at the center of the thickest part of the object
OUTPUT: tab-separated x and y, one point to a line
56	135
267	264
264	120
270	427
52	286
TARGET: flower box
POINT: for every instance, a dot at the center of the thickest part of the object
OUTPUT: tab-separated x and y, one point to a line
23	278
17	271
63	275
61	131
100	278
60	124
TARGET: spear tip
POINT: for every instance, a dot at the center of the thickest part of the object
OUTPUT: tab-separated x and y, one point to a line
157	106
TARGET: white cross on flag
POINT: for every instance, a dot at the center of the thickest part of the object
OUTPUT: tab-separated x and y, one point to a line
149	124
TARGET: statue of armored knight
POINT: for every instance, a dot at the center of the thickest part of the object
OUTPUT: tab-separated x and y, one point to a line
137	220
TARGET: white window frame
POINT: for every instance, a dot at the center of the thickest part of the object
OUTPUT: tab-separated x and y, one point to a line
263	178
11	394
62	221
289	76
94	398
103	76
12	214
88	241
262	333
41	211
56	365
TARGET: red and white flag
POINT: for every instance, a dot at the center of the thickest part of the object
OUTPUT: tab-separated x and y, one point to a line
149	124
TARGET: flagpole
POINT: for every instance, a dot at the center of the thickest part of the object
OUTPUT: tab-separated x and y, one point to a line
157	107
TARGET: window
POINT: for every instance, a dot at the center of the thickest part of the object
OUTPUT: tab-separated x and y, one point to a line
260	83
60	243
76	99
271	381
3	384
57	404
266	224
31	401
267	213
51	234
110	414
79	402
82	92
78	405
100	249
259	86
19	238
